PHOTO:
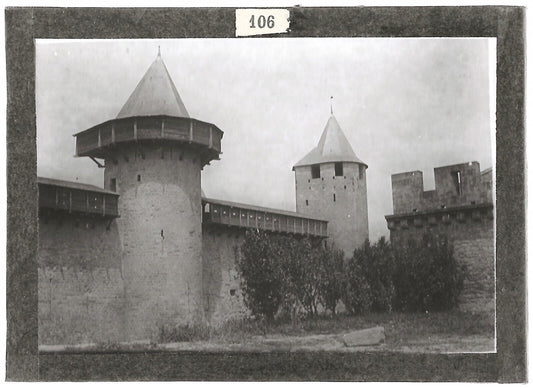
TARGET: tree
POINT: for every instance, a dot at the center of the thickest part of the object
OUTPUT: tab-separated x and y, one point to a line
332	280
427	275
261	273
301	263
288	273
369	284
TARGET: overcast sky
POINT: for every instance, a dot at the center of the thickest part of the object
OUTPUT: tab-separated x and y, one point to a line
404	104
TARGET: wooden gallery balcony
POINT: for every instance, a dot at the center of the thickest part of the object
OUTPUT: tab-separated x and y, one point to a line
76	198
96	141
218	212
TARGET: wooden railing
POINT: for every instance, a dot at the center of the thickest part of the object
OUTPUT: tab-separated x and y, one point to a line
244	216
93	141
78	201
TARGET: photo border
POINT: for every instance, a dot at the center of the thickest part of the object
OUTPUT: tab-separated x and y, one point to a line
23	361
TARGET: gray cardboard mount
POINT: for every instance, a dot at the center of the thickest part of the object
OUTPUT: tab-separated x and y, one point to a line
24	363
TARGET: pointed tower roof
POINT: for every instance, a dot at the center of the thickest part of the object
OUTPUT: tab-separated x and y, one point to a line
332	147
155	94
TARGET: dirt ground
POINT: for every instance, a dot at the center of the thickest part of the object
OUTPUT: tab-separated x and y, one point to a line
444	332
424	344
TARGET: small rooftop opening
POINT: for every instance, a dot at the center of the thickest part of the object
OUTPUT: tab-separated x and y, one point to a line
456	174
339	169
315	171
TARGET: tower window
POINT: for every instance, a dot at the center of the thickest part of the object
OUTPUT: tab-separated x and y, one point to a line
334	198
315	171
306	202
113	184
457	181
361	171
138	177
338	169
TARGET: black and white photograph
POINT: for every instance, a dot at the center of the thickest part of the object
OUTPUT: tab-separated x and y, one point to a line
276	197
214	189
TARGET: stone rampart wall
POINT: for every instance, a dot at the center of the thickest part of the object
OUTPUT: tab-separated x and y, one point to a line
471	231
81	290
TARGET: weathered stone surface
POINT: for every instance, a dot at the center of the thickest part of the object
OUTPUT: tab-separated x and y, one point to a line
342	200
81	291
223	298
160	228
460	184
473	243
471	231
366	337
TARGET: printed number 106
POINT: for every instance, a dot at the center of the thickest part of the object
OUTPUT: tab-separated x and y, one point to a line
262	21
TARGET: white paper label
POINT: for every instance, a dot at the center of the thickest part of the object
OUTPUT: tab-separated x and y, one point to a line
255	21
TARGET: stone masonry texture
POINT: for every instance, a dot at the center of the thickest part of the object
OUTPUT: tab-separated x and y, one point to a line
455	185
161	235
222	291
460	208
156	265
81	294
473	244
342	200
109	280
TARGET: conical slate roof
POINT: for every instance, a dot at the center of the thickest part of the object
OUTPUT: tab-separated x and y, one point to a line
332	147
155	94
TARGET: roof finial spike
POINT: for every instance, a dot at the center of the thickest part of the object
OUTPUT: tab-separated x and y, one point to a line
159	51
331	104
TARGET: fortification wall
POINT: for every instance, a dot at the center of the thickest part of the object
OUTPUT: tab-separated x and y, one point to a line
455	185
342	200
222	291
160	227
471	232
80	286
460	208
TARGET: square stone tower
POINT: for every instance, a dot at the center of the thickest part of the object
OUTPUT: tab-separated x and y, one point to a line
331	185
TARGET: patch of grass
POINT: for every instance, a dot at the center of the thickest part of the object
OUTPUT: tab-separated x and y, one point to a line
398	326
237	330
406	326
451	322
230	331
184	333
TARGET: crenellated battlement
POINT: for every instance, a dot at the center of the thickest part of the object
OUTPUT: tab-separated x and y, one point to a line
455	185
460	208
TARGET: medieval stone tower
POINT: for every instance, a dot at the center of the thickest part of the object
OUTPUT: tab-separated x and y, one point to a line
154	153
331	185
